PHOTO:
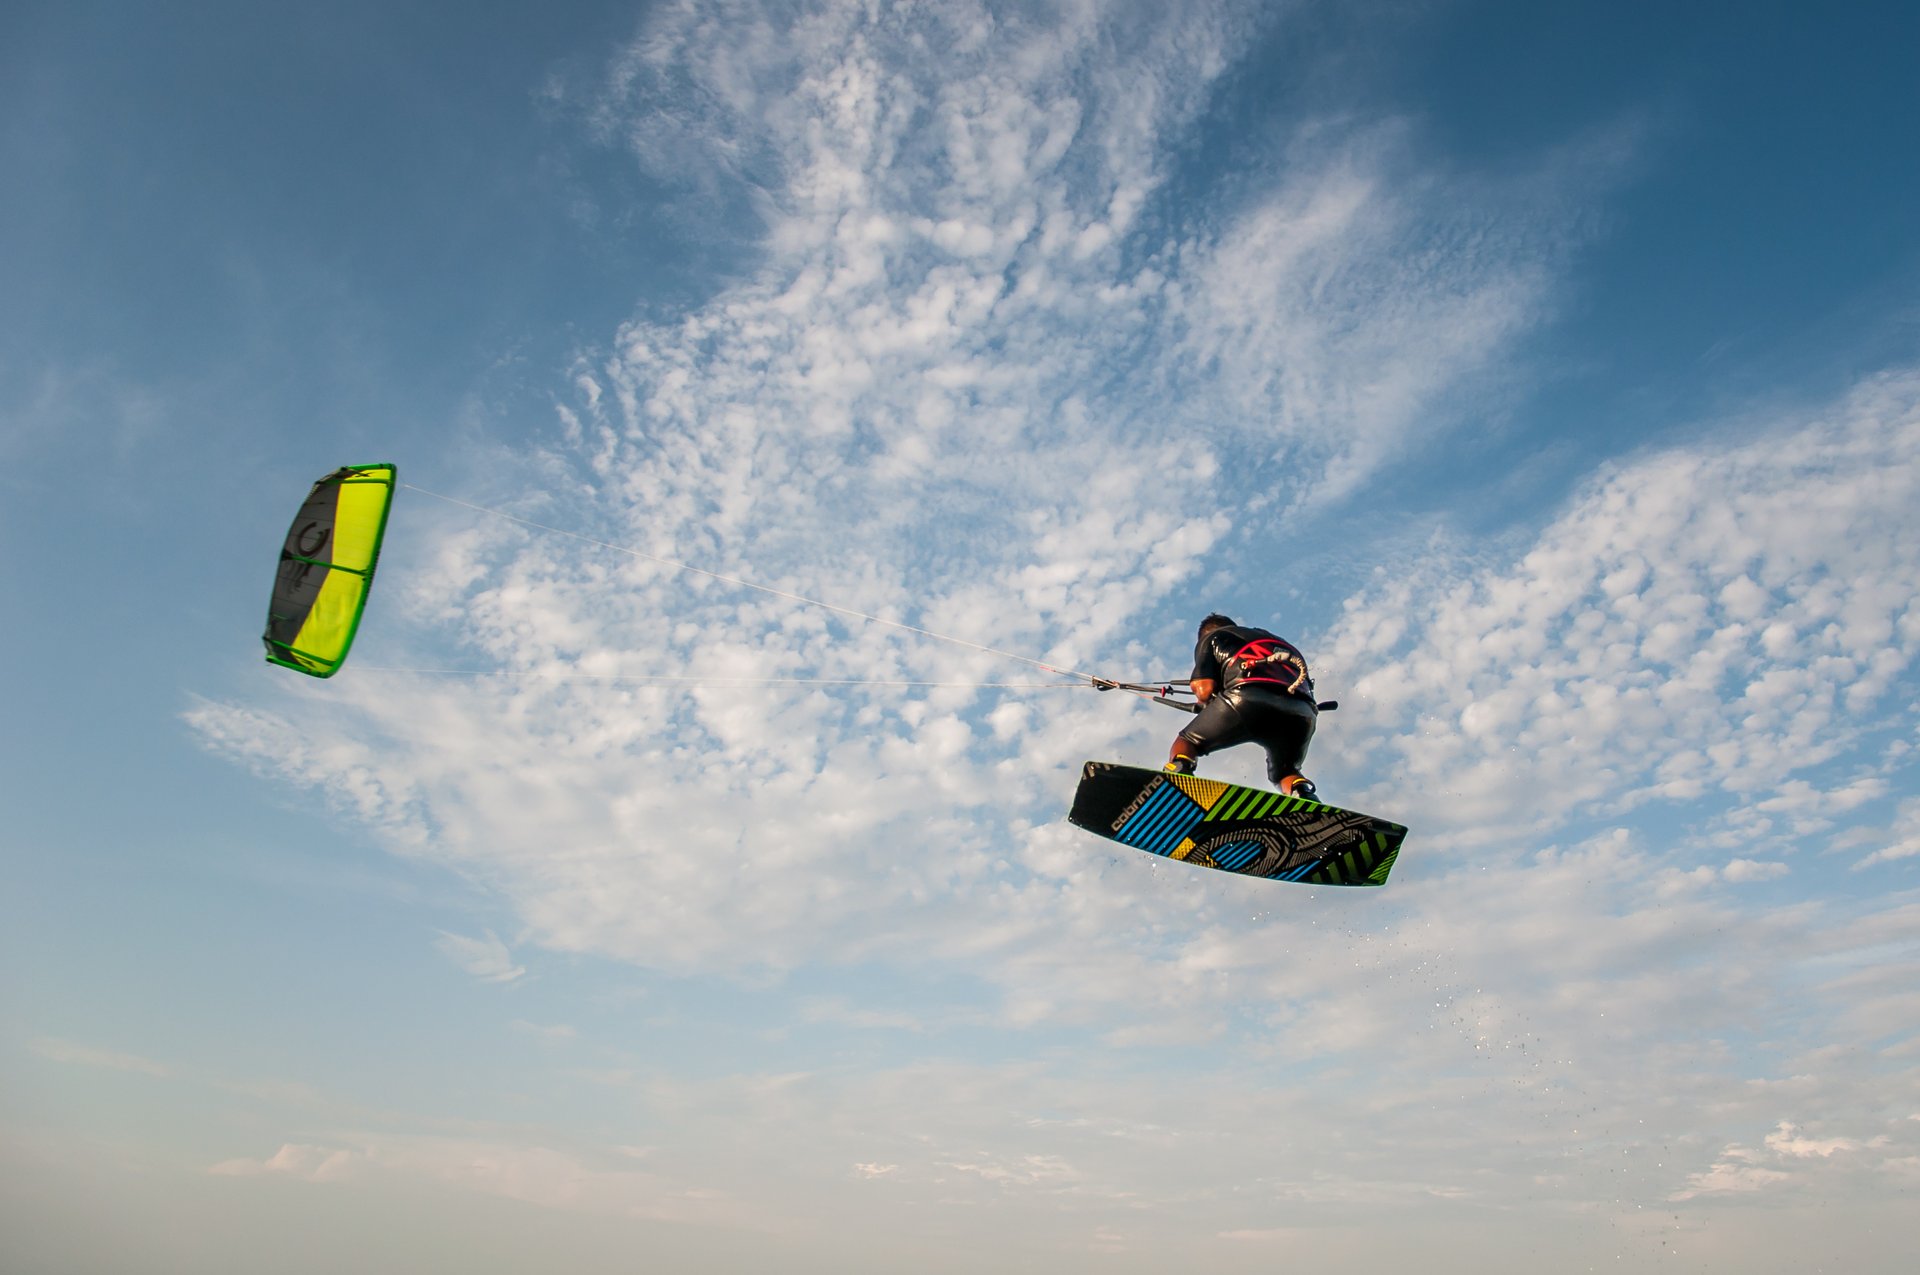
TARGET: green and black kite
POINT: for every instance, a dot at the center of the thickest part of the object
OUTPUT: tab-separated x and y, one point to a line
326	568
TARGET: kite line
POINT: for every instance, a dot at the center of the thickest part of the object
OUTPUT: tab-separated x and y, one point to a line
1157	692
674	679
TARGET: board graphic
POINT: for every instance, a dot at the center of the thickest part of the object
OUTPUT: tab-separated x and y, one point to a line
1236	829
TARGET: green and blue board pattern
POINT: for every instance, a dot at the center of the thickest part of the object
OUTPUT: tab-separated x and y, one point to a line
1250	831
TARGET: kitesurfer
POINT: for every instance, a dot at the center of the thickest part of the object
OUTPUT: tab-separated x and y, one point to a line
1252	687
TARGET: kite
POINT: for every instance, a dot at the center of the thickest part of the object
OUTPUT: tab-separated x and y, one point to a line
326	569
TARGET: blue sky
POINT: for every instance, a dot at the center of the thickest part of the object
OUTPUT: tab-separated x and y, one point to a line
1550	377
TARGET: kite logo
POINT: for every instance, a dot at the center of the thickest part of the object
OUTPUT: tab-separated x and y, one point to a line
1137	802
294	573
300	539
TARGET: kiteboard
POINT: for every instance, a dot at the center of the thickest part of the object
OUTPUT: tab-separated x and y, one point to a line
1247	830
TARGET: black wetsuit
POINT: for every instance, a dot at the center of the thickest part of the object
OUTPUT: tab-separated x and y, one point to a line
1262	694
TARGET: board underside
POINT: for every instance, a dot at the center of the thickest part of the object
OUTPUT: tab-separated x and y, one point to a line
1250	831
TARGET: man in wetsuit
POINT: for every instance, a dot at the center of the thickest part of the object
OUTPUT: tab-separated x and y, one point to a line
1253	687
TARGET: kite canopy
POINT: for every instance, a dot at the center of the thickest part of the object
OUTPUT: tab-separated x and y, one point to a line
326	568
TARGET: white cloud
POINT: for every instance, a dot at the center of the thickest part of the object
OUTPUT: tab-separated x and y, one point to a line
66	1051
1741	870
296	1160
553	1032
487	959
1902	840
1264	1235
1337	316
1787	1140
1031	1171
1730	1177
325	756
838	1010
1599	671
1789	1158
1904	848
597	1181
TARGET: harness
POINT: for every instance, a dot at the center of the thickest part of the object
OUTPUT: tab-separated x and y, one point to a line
1272	662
